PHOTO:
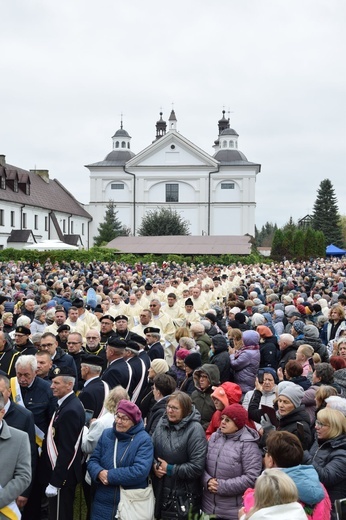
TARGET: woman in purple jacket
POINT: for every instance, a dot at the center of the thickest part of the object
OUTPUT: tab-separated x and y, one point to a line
233	463
245	361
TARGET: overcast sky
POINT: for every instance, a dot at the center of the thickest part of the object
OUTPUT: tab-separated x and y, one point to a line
68	69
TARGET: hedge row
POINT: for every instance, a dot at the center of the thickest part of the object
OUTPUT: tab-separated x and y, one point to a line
109	255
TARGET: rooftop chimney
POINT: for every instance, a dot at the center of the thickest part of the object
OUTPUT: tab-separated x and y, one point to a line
2	160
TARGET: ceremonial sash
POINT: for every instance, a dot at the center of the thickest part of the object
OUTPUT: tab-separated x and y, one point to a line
12	361
18	399
130	377
106	395
11	511
51	446
137	390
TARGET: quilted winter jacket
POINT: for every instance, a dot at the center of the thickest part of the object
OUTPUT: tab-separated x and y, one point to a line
133	467
235	461
311	493
184	446
329	460
245	363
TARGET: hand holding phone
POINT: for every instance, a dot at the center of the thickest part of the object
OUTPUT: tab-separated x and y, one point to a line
260	376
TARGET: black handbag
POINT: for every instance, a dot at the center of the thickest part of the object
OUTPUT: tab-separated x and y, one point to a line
180	504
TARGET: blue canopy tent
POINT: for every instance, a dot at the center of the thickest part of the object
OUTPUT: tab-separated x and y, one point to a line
332	250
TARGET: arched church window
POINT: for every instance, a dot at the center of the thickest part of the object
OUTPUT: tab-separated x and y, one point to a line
123	144
117	144
224	144
231	144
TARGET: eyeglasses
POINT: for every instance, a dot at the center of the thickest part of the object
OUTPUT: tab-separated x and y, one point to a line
173	408
121	418
92	337
46	345
203	376
319	424
153	305
73	342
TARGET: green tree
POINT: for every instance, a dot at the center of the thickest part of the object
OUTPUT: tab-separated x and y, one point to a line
163	221
277	245
325	214
111	227
299	244
264	237
290	225
343	229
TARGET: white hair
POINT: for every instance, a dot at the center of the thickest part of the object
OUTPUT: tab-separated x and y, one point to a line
24	361
337	403
23	321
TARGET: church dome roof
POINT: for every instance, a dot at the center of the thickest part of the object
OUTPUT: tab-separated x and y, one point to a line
229	131
231	156
119	156
121	133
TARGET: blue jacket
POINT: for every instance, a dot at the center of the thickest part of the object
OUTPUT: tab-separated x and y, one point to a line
308	483
133	467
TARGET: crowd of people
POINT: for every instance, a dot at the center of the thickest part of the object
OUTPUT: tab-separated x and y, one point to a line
173	391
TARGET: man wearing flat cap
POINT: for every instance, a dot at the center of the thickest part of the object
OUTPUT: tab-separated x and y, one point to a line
121	327
118	371
152	335
94	391
22	341
107	330
62	334
61	461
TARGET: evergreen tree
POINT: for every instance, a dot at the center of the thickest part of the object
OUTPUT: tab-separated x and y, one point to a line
277	245
111	227
299	244
325	214
163	221
264	237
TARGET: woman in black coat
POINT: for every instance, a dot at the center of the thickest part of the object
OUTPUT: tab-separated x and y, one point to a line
180	447
291	411
220	357
328	453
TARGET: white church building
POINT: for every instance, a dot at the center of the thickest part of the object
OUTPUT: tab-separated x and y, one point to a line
214	193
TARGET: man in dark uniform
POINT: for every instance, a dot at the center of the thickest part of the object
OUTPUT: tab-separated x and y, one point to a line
143	347
75	349
59	357
118	372
8	356
94	347
44	364
23	345
33	392
139	371
94	390
152	335
61	461
62	335
107	322
121	327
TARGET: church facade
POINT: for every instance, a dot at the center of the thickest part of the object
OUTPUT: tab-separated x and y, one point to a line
214	193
